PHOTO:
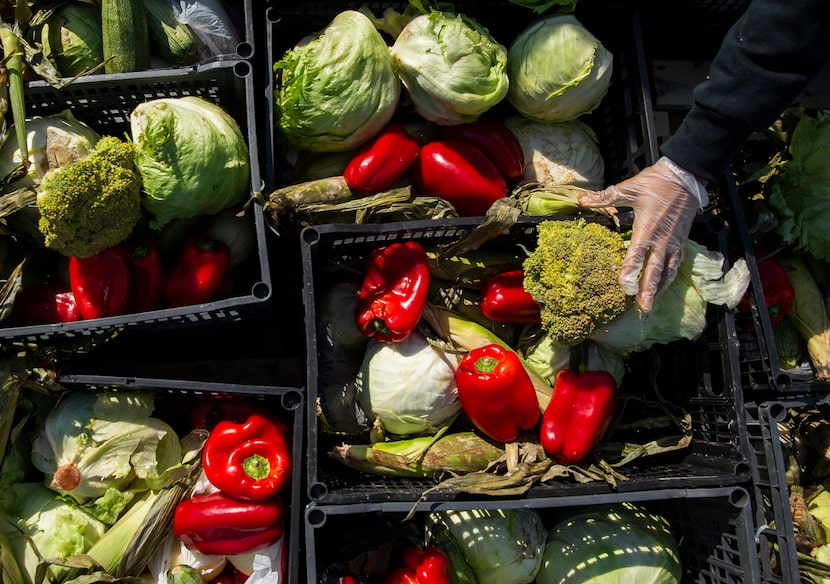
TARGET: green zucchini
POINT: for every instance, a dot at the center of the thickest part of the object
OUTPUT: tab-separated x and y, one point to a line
184	574
126	41
789	344
170	39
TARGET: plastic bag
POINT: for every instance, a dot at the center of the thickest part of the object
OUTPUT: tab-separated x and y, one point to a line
212	25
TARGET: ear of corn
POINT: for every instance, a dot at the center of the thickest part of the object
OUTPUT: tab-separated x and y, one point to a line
458	453
128	545
13	59
809	314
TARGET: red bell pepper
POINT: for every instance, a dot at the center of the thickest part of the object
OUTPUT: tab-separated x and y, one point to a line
459	173
504	299
248	461
198	271
101	283
497	141
401	575
377	166
394	291
496	392
217	524
209	410
579	412
45	304
778	292
422	566
146	275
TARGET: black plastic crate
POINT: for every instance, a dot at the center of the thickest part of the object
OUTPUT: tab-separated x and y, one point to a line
241	15
105	104
623	122
701	376
173	400
771	491
713	528
761	373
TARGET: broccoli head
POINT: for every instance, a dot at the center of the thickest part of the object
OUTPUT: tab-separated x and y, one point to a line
573	275
91	204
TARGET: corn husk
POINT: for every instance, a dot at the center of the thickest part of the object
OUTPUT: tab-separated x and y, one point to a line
422	457
337	204
813	429
809	314
809	533
472	269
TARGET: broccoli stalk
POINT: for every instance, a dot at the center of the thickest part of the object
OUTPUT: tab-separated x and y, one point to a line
91	204
573	274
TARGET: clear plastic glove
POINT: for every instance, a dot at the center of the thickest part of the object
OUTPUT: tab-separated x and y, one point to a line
665	199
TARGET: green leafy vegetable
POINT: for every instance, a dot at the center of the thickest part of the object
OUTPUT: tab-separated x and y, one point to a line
500	545
336	89
91	204
800	190
558	70
540	6
72	37
453	69
559	153
572	274
409	386
191	155
612	544
36	524
52	141
679	312
91	442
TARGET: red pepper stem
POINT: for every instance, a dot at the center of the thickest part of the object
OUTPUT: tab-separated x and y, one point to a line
140	251
380	327
257	467
486	364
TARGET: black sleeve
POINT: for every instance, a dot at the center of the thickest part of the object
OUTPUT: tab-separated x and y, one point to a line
767	58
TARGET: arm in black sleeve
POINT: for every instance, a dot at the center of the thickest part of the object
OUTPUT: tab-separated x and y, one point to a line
767	58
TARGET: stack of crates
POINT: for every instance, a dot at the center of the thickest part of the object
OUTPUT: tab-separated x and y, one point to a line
177	354
776	400
702	490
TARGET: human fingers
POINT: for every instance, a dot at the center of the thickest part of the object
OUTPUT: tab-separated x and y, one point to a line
608	197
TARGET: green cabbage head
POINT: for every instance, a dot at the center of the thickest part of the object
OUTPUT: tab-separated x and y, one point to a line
52	141
559	153
409	386
337	89
612	544
93	442
500	545
72	37
192	157
54	527
452	68
558	70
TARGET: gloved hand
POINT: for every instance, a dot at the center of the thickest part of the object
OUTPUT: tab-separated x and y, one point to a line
665	199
